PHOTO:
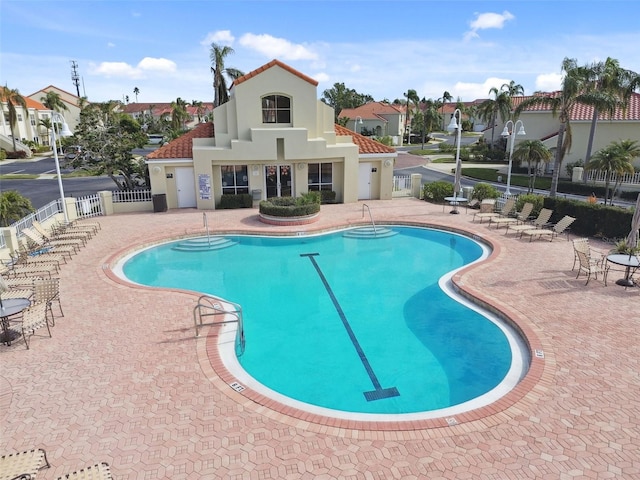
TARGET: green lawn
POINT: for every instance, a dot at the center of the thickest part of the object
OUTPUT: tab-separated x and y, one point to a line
491	175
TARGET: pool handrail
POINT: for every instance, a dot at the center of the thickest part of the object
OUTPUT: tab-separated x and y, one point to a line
373	224
208	306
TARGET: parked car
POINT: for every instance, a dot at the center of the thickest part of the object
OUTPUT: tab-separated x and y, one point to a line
155	139
71	152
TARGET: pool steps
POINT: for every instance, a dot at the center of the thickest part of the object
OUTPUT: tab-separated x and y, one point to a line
203	244
370	232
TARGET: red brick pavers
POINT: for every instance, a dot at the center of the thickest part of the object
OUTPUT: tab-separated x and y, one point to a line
123	380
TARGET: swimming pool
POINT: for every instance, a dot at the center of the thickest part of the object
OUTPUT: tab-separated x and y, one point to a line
342	325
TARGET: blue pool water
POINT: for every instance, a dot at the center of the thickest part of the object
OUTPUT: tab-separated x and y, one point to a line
347	324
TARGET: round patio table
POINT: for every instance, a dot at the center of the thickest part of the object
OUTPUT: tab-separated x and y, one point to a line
11	307
454	202
627	261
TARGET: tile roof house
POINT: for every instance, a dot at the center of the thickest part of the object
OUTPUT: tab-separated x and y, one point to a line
73	102
27	128
272	138
379	118
540	123
160	110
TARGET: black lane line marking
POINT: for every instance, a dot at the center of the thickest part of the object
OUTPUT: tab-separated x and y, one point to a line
379	392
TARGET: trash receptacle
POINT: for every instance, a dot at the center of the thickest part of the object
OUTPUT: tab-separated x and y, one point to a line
467	192
256	194
160	202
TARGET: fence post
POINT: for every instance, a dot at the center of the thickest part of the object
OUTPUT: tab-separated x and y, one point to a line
416	185
72	213
10	238
106	200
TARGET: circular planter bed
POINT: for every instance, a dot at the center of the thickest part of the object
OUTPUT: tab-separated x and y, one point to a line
291	211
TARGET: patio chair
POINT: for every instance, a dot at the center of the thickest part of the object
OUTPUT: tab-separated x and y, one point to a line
23	464
590	265
542	220
85	225
48	269
99	471
505	211
23	256
553	232
520	218
582	244
48	291
33	318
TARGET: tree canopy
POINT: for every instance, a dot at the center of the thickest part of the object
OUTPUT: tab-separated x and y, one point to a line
107	139
340	97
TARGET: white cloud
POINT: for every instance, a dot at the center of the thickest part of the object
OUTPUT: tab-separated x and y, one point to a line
321	77
157	65
273	47
485	21
221	37
111	44
123	69
472	91
549	82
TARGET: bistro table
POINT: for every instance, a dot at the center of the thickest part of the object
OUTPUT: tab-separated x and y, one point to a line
627	261
454	202
10	307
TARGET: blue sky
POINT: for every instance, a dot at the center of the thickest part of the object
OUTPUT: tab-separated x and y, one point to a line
376	47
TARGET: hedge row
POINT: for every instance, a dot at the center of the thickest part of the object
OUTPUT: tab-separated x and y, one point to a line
291	207
242	200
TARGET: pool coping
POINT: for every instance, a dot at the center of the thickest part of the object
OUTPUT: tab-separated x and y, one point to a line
534	383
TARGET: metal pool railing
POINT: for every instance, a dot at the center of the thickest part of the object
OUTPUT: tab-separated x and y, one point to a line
212	307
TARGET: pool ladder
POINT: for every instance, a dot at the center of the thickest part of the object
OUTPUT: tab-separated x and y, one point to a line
370	217
212	307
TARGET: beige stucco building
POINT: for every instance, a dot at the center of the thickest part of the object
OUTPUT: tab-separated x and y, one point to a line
272	138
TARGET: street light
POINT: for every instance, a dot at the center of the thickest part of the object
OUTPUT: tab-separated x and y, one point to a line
505	133
358	120
454	126
64	132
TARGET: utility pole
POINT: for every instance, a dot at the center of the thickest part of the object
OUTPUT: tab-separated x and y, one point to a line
75	78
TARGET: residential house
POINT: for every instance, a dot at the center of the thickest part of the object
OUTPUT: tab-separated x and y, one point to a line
540	124
162	111
272	138
380	118
73	102
27	127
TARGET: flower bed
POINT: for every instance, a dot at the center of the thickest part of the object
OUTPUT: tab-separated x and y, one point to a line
290	211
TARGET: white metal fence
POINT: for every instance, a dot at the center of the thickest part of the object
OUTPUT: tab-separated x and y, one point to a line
88	206
130	196
600	176
41	215
401	185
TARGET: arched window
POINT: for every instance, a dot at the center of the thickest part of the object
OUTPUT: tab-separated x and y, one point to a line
276	109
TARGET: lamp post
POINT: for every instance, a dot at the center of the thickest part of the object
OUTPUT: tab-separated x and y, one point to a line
505	133
455	126
358	120
64	132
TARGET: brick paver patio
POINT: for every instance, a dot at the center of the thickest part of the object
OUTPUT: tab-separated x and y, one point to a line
124	381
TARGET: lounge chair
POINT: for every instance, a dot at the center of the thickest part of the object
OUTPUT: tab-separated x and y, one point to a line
99	471
33	318
541	221
61	235
520	218
505	211
59	246
591	265
553	232
47	269
17	465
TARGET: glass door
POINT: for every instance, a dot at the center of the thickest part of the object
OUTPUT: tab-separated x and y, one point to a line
278	180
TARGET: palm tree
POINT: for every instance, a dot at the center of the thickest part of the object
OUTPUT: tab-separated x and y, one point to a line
199	109
532	152
491	109
412	97
446	97
561	104
615	159
46	123
179	114
220	90
12	98
53	101
13	207
136	91
512	88
609	87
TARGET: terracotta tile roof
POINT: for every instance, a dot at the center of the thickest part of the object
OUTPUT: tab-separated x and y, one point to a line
583	112
182	147
372	111
53	87
365	144
31	103
273	63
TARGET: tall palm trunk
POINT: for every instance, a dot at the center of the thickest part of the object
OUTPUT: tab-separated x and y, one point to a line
592	134
557	161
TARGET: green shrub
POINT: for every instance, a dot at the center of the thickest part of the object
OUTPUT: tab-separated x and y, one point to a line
327	196
537	200
484	190
437	191
307	204
3	154
242	200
